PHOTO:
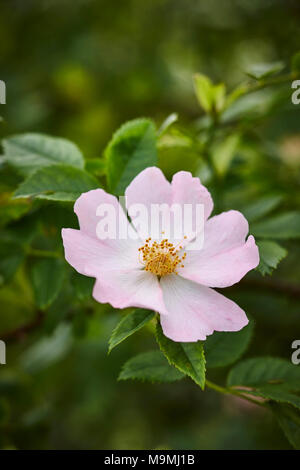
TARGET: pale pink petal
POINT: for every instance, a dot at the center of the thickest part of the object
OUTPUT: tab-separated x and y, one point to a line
87	205
225	257
120	281
224	232
132	288
187	189
195	311
150	188
87	254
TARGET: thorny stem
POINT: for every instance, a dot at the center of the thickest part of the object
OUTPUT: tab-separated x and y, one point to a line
231	391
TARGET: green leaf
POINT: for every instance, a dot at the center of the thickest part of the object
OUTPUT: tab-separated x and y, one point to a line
48	350
249	106
262	371
276	393
296	62
167	123
256	210
131	323
47	276
29	152
96	166
59	196
224	348
204	91
269	378
224	152
11	256
270	254
218	96
284	226
187	357
289	420
260	71
131	150
210	97
56	182
151	366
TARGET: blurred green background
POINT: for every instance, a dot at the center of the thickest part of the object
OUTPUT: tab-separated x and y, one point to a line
79	70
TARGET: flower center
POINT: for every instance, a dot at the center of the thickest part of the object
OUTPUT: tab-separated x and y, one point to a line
161	258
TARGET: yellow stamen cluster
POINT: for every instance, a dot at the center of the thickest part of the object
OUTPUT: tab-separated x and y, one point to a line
161	258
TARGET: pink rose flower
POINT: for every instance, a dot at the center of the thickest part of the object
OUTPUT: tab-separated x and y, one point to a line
156	275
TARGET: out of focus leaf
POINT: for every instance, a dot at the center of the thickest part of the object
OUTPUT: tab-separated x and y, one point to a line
9	177
296	62
289	420
282	226
56	217
29	152
210	97
263	371
171	147
224	348
59	196
187	357
260	71
218	96
151	366
96	166
270	254
167	123
59	309
57	182
11	256
12	210
224	152
80	323
203	89
131	150
250	106
131	323
47	351
47	276
23	230
256	210
83	286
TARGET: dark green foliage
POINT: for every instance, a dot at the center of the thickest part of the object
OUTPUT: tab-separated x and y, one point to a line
131	150
187	357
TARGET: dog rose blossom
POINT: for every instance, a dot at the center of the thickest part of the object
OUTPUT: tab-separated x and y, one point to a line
158	274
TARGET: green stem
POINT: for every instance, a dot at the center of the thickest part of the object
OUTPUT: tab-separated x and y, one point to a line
43	253
273	81
231	391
